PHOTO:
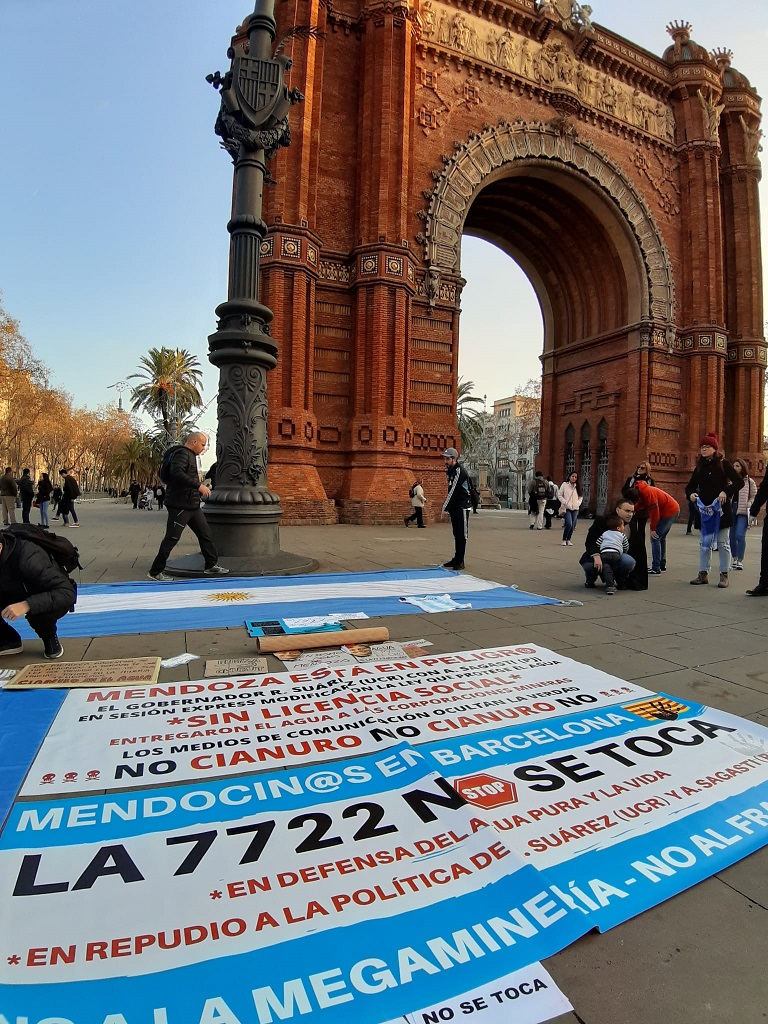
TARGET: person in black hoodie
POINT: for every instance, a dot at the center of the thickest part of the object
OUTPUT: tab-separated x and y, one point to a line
27	492
456	505
182	500
713	485
32	585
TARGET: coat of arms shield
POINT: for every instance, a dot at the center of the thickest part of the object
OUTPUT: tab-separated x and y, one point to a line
259	88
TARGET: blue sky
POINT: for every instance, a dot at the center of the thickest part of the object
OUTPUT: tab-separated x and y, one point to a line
115	194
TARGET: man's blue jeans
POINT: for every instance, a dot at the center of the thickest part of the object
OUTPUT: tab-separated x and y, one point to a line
659	547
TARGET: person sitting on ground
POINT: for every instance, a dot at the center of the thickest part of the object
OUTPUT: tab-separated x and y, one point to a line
662	510
33	585
592	563
612	544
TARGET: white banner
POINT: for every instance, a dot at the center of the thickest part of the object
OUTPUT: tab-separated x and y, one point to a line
172	732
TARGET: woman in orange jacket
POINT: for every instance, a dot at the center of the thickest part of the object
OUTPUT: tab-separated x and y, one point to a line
662	510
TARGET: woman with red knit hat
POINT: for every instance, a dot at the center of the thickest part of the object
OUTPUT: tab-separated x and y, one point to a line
713	485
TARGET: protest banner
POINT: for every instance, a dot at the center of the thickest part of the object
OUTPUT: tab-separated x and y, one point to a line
172	732
662	794
66	674
176	904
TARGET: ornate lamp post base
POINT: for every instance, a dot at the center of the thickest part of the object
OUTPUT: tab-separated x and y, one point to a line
248	542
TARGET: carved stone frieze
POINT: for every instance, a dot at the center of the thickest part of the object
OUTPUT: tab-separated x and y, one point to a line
484	153
330	271
552	65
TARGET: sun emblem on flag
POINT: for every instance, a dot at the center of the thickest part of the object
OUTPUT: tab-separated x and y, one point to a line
227	596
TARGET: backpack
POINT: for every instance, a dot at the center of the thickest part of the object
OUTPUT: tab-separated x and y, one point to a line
164	473
541	487
412	492
65	554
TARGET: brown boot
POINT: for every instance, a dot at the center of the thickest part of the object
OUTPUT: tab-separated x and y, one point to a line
723	580
700	580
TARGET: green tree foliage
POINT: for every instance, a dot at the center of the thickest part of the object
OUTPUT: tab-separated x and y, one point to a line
171	388
469	417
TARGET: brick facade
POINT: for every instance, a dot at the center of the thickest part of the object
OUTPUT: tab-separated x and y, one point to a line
624	184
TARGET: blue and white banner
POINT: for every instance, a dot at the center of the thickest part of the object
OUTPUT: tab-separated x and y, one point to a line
172	732
109	609
176	905
649	796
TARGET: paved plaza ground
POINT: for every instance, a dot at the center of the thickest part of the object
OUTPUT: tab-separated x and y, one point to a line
698	957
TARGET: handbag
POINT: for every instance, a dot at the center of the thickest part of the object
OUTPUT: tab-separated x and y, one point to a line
35	504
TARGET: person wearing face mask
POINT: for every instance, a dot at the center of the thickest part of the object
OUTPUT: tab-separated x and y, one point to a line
713	485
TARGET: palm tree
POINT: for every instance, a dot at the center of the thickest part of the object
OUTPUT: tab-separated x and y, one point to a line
470	419
171	388
134	460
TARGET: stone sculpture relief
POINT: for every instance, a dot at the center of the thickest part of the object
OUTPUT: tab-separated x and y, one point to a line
752	143
551	65
712	112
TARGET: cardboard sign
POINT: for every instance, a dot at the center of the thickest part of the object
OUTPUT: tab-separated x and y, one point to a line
235	667
74	674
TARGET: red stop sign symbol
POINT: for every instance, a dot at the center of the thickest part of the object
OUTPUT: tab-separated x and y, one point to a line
485	790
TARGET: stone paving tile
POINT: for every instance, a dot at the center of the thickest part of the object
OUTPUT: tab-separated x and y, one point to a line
697	957
510	635
749	671
616	660
749	877
702	648
696	685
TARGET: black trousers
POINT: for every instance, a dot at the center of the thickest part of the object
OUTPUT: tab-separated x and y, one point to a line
178	518
764	555
43	625
26	505
460	527
418	515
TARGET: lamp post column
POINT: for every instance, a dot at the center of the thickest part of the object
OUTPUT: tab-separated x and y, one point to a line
252	124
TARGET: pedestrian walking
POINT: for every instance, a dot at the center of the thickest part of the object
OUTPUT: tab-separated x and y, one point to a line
135	490
418	501
160	496
537	492
70	492
741	515
713	485
457	505
182	499
43	498
27	494
56	498
571	498
552	505
9	489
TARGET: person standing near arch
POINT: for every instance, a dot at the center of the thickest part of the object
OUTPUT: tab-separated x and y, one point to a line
456	505
713	485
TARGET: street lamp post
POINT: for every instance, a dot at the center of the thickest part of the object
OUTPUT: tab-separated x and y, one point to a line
252	124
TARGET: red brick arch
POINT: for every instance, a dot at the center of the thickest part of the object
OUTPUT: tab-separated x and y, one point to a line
624	184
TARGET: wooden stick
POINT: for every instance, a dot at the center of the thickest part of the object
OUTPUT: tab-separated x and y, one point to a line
312	641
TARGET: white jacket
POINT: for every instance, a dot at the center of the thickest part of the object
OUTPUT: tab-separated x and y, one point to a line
418	500
569	497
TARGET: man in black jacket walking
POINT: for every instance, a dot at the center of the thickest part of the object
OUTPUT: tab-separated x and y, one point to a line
456	505
182	500
33	585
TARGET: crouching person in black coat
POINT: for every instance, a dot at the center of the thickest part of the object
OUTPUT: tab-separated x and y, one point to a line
32	585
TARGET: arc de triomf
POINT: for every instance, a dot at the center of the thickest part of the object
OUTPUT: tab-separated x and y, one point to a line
624	184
